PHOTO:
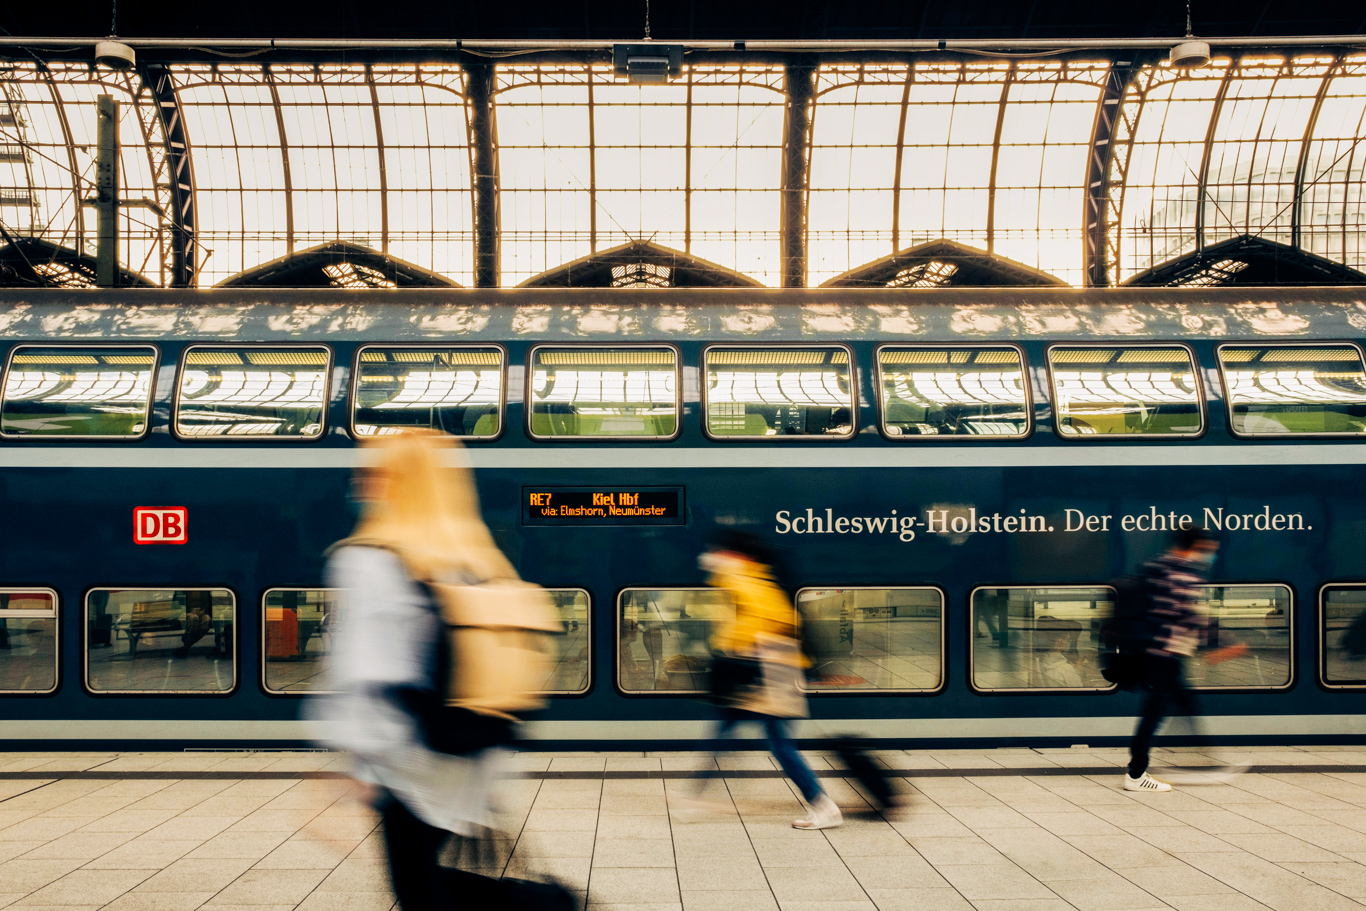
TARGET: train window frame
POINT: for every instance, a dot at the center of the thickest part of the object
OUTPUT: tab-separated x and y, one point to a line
943	643
881	405
123	346
56	638
353	387
590	678
528	404
1026	690
262	438
1228	400
704	382
1201	394
265	641
616	643
194	694
1321	630
1293	675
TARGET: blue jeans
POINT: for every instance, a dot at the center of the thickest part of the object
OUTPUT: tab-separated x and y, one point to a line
779	744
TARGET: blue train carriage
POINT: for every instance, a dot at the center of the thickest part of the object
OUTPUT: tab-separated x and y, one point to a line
953	477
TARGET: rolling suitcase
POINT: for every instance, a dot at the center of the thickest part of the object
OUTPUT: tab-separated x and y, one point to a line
868	773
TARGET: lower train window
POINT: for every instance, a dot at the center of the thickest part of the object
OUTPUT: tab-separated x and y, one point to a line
1342	635
664	637
778	392
571	662
160	640
458	391
1258	616
873	639
604	392
78	392
252	393
1141	391
297	638
28	640
1045	638
1294	389
937	393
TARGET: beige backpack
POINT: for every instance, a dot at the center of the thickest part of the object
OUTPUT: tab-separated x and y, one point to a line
500	647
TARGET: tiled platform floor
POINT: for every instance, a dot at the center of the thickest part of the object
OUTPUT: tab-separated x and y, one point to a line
973	834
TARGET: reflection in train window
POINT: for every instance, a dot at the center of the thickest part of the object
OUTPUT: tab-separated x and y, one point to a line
1258	616
149	640
1342	631
570	664
862	639
252	393
664	638
1149	391
85	392
298	638
28	641
454	390
766	392
604	392
953	392
1039	638
1294	389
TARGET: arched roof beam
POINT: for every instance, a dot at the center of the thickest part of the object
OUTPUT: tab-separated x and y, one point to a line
1103	162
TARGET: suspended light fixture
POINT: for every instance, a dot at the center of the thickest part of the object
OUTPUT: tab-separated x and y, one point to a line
113	53
1189	52
650	63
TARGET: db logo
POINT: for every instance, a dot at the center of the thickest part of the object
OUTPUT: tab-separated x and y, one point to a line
159	524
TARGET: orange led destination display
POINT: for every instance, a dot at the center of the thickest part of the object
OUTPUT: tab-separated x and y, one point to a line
602	506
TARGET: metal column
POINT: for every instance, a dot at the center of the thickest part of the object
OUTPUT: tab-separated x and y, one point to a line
107	193
799	85
479	96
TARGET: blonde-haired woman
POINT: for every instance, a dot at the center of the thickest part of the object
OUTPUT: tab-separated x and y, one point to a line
420	522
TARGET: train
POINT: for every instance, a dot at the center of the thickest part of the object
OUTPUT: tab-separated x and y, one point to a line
953	477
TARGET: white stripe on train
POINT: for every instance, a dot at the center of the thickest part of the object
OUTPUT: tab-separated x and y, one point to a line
555	456
1076	729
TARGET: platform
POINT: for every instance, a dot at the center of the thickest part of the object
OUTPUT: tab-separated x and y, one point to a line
993	830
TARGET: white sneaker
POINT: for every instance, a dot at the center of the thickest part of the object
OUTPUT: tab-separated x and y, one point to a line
824	815
1144	782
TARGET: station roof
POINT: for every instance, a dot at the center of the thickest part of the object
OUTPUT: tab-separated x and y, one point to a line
990	153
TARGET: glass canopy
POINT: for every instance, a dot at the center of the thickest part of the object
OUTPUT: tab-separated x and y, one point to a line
994	154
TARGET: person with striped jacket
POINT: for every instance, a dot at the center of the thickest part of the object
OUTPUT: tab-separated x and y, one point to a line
1176	626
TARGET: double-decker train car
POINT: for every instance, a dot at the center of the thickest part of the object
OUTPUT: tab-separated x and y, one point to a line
954	477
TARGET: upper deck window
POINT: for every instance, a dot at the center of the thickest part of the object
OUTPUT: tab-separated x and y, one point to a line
771	392
1149	391
978	393
457	391
604	392
78	392
252	392
1294	389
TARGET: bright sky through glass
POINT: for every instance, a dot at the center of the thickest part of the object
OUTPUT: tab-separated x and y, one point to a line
987	153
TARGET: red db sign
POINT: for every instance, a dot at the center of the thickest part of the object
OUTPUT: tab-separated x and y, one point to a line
159	524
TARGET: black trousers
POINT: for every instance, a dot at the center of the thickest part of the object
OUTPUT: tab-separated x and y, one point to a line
1165	694
420	882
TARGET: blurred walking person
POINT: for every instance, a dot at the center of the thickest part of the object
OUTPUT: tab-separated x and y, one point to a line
758	663
419	521
1174	625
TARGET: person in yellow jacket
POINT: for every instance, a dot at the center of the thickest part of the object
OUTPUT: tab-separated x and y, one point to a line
747	689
